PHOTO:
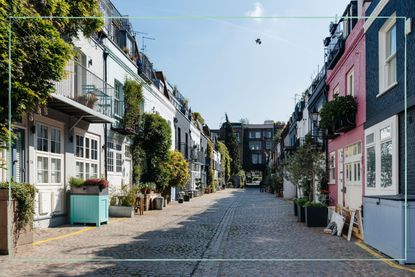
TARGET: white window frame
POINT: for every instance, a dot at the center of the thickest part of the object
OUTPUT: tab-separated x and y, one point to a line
351	164
350	82
112	155
84	160
378	190
332	166
383	60
48	154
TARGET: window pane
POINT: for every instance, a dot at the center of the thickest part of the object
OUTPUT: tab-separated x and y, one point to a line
55	140
80	170
371	167
118	162
79	146
386	164
87	148
94	171
370	138
55	171
42	170
94	149
42	137
385	133
110	161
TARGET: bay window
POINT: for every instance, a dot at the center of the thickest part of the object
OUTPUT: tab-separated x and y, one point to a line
382	158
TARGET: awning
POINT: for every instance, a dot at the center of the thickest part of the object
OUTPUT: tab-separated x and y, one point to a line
73	108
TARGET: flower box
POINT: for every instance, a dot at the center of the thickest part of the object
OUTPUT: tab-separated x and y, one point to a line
89	190
121	211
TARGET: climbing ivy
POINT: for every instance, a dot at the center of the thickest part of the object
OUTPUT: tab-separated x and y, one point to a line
225	159
210	173
24	194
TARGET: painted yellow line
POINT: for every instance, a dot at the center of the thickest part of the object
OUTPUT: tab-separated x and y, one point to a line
380	256
76	232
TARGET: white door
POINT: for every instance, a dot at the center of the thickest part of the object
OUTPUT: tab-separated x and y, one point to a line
340	182
127	172
353	176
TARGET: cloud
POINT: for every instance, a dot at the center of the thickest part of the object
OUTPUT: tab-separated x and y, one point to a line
258	10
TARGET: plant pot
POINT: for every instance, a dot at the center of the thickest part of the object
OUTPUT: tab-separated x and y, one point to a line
186	198
295	209
22	237
316	216
121	211
89	190
301	213
180	200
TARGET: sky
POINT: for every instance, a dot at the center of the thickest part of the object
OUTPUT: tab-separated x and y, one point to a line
216	63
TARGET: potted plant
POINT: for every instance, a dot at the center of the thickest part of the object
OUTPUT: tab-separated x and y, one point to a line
300	209
19	210
295	206
89	201
89	186
122	205
316	214
88	99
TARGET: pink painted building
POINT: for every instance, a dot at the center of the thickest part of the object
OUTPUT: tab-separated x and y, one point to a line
345	61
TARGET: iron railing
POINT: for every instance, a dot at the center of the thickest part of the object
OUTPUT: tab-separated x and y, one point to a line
86	88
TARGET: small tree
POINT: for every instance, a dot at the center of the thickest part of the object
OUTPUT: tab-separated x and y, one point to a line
133	97
305	168
232	145
179	170
155	141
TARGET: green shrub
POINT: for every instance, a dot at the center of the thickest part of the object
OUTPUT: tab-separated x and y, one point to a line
315	205
24	194
76	182
301	201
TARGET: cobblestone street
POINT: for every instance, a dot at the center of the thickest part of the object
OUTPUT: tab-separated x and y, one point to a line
231	224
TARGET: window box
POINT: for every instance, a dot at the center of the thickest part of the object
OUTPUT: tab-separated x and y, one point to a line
345	124
338	115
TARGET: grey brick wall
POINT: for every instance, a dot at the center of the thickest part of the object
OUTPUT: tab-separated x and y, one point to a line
411	151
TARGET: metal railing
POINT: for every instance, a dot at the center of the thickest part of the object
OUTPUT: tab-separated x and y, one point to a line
86	88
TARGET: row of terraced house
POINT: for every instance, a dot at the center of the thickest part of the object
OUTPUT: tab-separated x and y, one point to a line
370	153
80	135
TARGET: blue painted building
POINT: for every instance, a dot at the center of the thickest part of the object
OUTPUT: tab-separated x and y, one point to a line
384	205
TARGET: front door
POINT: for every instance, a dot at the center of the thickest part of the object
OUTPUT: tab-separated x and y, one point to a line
19	156
127	172
353	176
340	182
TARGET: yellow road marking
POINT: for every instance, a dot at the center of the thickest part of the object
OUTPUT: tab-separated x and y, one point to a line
378	255
76	232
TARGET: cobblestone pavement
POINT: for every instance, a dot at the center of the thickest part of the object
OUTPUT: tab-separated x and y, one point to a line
231	224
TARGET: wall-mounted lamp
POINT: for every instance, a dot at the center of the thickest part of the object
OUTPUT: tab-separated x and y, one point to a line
33	129
90	62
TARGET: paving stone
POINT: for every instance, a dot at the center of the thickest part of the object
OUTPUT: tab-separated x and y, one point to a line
231	224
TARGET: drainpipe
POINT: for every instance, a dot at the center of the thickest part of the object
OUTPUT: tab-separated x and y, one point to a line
105	56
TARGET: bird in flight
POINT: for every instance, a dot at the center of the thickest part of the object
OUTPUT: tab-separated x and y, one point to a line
258	41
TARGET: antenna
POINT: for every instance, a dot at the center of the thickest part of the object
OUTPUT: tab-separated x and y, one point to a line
144	46
296	95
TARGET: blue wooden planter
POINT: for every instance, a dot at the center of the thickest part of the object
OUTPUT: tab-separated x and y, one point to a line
384	225
89	209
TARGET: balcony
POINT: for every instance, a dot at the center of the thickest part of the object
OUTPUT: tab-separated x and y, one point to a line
83	94
197	156
334	51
